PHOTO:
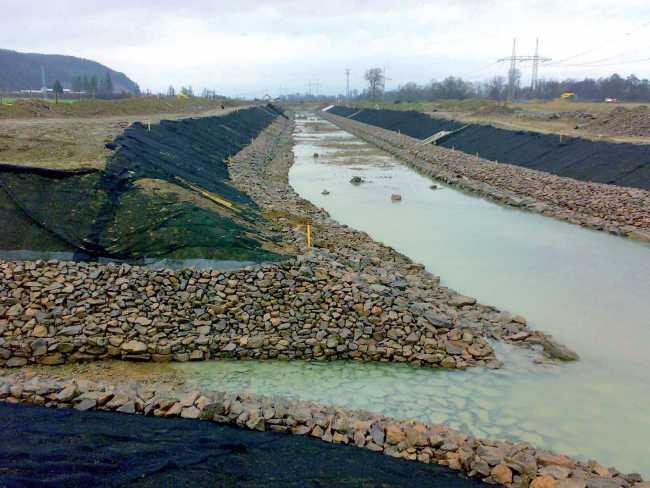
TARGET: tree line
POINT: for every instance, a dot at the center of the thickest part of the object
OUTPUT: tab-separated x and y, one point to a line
92	85
615	86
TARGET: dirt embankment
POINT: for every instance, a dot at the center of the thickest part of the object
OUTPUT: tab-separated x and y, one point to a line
623	122
36	108
75	136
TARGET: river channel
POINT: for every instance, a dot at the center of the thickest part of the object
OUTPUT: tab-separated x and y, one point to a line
589	289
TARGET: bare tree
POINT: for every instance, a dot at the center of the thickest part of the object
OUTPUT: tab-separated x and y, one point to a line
496	87
375	79
58	90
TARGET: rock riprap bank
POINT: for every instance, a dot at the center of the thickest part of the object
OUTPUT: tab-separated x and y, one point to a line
614	209
307	308
504	463
350	297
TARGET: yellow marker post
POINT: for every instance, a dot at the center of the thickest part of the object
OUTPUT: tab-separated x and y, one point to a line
309	236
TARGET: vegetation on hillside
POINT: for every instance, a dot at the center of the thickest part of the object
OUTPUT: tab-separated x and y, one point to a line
22	71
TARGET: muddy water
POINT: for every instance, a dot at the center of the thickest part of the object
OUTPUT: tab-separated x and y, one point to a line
589	289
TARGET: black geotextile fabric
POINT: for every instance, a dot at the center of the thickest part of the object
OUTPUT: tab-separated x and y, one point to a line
409	122
110	213
18	231
623	164
343	111
66	448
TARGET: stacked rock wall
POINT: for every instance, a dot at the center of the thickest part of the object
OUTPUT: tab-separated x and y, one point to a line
307	308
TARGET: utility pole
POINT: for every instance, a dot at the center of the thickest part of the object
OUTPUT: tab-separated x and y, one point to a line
533	79
512	72
347	85
44	84
385	78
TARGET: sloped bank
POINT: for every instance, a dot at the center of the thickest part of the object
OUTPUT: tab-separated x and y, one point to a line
165	192
350	298
613	209
504	463
621	164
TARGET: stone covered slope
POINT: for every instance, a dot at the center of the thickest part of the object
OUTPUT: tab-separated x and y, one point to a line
265	177
308	308
617	210
498	462
350	298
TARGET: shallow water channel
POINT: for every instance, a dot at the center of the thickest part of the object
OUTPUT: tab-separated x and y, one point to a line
589	289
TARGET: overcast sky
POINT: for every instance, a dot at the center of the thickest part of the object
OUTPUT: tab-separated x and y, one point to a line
251	47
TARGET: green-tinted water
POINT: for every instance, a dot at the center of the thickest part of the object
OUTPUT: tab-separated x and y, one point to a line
589	289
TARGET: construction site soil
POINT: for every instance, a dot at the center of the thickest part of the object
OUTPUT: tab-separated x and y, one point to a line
622	164
67	448
164	192
625	122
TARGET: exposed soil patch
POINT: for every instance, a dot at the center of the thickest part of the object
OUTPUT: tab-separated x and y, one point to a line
622	121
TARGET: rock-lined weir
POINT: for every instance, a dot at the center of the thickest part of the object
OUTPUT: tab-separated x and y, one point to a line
621	164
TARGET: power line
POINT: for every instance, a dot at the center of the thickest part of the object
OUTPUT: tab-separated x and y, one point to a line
588	65
609	58
472	74
599	46
347	84
514	59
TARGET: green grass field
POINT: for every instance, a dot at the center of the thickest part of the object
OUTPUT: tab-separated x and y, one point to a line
11	101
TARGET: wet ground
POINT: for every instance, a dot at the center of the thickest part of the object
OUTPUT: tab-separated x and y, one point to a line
66	448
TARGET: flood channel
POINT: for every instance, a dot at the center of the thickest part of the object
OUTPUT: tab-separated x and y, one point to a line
589	289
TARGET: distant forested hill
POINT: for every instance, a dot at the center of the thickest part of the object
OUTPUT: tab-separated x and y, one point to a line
22	71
